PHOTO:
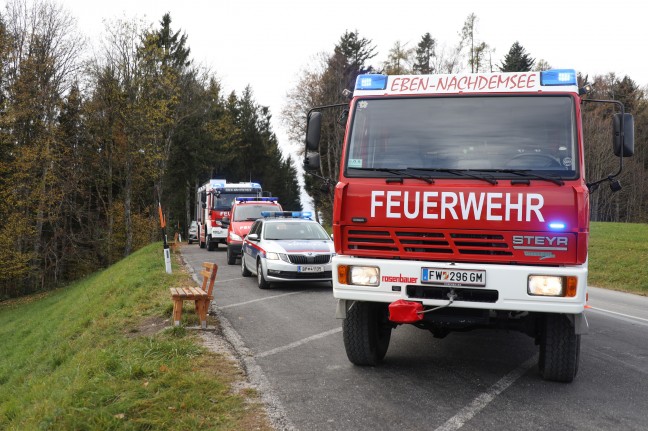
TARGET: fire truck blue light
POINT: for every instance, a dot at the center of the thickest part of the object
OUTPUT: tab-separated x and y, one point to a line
558	77
371	82
557	225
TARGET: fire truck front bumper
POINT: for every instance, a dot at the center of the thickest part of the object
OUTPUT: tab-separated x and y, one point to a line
479	286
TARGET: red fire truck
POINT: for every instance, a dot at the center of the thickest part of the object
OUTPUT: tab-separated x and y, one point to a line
462	203
213	205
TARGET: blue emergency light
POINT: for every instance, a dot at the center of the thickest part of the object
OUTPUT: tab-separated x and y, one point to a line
558	77
557	225
252	199
286	214
371	81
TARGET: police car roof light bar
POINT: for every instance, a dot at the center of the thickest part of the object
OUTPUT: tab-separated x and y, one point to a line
253	199
286	214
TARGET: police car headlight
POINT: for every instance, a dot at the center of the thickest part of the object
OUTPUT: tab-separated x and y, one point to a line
359	275
235	237
272	256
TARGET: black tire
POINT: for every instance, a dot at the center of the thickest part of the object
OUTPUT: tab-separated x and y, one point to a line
559	349
189	242
261	281
244	271
211	246
366	332
231	257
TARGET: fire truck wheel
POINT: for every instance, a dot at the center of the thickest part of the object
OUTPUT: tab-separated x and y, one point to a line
231	257
366	332
201	243
559	349
261	281
211	246
244	271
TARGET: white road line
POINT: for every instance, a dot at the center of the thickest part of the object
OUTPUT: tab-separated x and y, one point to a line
230	279
628	316
298	343
259	299
479	403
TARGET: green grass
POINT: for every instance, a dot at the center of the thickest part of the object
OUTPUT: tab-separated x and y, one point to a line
618	256
101	355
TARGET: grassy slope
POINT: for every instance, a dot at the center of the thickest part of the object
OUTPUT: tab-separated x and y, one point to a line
618	256
78	358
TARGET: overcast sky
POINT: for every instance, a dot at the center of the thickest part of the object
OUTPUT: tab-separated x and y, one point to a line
266	43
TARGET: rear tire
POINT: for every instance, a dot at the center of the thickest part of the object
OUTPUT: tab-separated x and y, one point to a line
261	281
366	332
231	257
559	349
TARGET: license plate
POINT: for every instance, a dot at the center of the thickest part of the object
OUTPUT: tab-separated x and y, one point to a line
310	268
453	277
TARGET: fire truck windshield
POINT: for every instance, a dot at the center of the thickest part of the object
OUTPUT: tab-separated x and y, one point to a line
224	200
495	134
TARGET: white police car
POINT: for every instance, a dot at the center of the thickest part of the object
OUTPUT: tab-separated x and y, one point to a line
286	246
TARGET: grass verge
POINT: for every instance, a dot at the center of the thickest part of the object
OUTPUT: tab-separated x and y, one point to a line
618	256
101	355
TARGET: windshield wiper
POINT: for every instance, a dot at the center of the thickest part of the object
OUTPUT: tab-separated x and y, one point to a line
399	172
461	172
529	174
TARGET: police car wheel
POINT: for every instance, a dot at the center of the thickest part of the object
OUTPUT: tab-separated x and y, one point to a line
261	281
244	271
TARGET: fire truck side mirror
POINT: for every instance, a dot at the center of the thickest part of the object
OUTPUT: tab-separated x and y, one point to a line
628	135
204	205
203	198
311	161
313	129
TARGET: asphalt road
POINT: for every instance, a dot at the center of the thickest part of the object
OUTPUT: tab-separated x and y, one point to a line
292	347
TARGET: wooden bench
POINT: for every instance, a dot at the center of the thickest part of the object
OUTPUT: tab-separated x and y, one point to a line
201	296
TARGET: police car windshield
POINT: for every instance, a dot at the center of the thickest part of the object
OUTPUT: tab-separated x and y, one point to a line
248	212
294	230
494	134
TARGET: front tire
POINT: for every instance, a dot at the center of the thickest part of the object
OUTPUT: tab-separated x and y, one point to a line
366	332
244	271
559	349
211	246
261	281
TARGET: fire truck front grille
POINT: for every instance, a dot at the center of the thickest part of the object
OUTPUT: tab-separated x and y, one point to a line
371	240
417	244
441	292
303	259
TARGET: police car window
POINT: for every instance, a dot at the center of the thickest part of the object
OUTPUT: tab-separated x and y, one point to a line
294	231
256	227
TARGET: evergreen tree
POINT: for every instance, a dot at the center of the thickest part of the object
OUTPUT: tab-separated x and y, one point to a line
517	60
425	52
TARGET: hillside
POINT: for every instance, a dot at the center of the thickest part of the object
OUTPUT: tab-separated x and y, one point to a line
100	354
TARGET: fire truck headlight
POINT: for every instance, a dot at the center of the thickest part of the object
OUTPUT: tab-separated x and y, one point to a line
235	237
363	275
545	285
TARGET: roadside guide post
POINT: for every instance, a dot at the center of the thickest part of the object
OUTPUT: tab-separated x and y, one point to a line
167	253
